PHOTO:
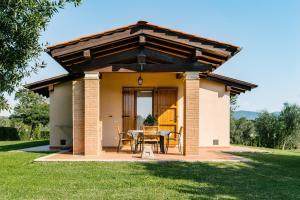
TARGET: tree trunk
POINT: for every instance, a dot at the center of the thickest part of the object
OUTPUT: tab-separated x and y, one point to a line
31	131
283	146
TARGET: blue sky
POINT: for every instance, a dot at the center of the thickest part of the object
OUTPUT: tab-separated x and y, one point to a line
268	32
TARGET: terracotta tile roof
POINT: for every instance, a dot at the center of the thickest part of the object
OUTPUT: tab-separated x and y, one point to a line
139	23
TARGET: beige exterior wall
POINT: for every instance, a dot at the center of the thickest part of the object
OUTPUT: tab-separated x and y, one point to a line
61	114
111	98
214	116
214	107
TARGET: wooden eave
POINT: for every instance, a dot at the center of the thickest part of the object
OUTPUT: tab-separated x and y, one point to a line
42	87
165	41
235	86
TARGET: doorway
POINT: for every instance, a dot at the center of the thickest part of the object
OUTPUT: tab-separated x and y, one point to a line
161	103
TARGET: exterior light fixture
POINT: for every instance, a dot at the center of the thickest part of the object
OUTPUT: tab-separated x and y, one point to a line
140	80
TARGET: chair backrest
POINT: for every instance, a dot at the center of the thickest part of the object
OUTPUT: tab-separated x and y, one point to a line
180	130
117	129
150	130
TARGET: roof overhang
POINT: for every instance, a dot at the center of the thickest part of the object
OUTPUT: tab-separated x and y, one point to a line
42	87
142	47
111	50
234	86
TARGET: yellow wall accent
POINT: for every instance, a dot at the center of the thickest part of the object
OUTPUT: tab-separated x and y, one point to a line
111	98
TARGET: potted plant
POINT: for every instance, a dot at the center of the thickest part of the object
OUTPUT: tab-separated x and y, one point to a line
149	121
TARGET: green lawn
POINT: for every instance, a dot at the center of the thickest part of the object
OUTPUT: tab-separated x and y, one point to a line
272	176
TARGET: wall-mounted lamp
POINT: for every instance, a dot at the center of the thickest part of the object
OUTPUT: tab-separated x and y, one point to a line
140	80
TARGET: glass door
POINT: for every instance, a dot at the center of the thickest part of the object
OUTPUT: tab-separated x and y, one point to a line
144	102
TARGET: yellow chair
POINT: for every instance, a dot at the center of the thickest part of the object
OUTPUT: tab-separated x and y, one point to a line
123	137
151	136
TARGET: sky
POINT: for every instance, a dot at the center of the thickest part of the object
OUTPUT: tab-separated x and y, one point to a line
267	30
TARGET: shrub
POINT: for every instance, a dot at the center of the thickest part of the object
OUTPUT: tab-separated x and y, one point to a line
150	121
9	133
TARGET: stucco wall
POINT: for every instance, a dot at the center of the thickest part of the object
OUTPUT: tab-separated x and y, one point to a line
214	104
61	114
111	98
214	119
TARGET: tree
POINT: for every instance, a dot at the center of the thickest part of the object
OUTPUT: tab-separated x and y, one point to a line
233	103
233	107
31	109
290	119
244	132
5	122
268	129
21	24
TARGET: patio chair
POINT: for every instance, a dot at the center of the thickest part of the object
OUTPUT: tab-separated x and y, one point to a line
150	136
177	135
123	137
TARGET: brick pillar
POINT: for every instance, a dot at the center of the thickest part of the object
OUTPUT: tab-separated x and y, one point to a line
191	113
92	133
78	116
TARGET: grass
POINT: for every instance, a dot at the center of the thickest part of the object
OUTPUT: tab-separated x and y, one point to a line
13	145
273	175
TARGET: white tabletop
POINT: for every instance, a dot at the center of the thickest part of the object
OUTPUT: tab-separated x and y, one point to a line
135	133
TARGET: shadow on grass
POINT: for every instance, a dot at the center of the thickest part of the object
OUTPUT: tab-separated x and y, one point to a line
270	176
21	145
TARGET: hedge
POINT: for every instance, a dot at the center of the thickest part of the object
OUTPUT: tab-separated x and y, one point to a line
9	133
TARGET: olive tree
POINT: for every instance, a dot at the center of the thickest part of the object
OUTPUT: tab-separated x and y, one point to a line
21	24
31	109
290	120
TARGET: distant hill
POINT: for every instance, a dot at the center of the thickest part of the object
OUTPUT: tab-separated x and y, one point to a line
248	114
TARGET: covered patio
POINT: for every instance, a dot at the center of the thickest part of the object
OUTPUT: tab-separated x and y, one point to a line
208	154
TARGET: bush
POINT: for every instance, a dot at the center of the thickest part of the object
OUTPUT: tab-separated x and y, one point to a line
24	136
9	133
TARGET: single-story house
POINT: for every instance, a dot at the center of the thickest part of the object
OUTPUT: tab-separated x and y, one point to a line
124	74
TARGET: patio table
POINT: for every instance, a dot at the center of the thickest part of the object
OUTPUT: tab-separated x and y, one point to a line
135	133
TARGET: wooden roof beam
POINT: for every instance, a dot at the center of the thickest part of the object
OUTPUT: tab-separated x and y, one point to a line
206	62
212	59
136	67
104	40
186	42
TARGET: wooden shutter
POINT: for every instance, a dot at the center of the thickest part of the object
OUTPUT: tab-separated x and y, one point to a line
128	109
167	109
